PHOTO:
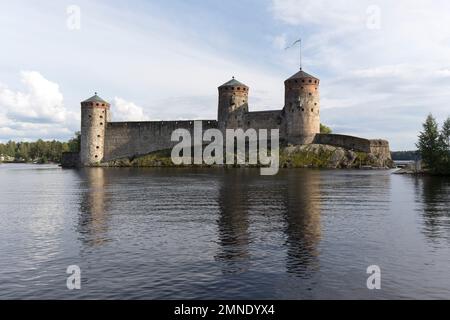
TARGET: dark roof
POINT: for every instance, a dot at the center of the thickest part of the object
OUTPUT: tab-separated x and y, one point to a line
301	75
95	98
232	83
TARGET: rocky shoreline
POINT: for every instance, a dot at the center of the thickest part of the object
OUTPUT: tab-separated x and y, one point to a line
306	156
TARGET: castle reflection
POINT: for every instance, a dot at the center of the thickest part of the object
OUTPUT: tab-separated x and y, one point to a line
243	194
93	220
303	227
233	223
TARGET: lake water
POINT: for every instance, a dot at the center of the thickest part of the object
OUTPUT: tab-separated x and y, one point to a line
222	234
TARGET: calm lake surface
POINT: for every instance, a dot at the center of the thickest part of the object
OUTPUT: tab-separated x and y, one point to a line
222	234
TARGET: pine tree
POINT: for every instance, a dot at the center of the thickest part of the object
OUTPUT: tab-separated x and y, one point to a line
444	140
445	134
428	145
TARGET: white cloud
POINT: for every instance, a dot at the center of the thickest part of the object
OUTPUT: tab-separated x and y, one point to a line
41	102
389	78
36	112
123	110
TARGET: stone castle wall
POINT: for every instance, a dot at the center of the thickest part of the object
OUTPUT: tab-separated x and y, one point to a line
264	120
130	139
375	147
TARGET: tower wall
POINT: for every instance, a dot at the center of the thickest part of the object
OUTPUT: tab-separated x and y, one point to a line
233	104
94	116
302	109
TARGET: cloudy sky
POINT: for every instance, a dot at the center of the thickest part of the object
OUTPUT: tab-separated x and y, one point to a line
383	65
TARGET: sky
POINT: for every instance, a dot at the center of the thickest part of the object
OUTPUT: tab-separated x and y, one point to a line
384	65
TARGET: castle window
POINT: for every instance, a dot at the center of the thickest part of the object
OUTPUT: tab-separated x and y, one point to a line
101	123
98	147
303	109
303	81
101	117
103	104
310	81
315	103
239	88
248	123
97	104
96	156
310	94
315	81
312	110
90	116
98	136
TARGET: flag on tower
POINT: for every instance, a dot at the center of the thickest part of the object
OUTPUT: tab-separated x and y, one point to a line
299	41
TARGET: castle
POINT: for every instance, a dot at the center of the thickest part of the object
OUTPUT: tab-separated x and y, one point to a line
298	123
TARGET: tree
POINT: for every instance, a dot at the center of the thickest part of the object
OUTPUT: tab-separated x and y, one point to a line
428	145
325	130
445	135
74	144
444	141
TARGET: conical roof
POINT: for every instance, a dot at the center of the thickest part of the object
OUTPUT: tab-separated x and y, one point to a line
95	98
302	75
233	83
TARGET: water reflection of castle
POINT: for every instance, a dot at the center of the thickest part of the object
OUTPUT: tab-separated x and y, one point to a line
241	195
93	216
299	210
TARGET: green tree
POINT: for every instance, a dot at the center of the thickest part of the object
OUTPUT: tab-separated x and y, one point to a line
444	141
11	149
324	129
23	151
445	135
429	144
74	143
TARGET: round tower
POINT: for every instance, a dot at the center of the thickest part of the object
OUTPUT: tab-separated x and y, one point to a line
233	104
302	108
94	117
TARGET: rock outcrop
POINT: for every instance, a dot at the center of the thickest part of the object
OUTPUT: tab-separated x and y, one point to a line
306	156
326	156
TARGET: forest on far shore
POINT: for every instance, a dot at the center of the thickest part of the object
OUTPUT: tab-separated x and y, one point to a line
39	151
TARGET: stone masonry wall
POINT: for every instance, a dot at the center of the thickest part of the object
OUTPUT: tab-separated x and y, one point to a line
376	147
130	139
264	120
343	141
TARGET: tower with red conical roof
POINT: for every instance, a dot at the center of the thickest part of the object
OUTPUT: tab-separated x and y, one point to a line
302	108
233	104
94	117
